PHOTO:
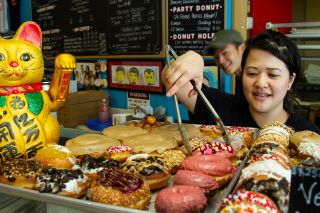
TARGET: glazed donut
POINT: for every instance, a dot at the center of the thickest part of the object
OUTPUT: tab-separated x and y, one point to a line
191	178
116	187
71	183
173	159
93	144
118	152
173	131
151	166
181	199
150	142
19	172
248	201
55	156
220	168
120	132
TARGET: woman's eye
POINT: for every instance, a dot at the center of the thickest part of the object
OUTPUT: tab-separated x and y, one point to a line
2	58
273	75
25	57
251	74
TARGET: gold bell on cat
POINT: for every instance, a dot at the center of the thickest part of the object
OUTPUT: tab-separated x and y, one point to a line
26	124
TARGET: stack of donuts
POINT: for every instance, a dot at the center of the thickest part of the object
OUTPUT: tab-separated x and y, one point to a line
267	174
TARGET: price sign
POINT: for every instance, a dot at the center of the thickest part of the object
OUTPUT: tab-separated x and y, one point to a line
305	190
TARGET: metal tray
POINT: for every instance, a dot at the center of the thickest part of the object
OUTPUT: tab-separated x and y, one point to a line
82	204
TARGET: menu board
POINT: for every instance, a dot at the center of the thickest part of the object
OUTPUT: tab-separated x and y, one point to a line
134	26
96	28
193	23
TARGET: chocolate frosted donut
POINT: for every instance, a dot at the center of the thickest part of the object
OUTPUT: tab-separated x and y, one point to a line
181	199
91	165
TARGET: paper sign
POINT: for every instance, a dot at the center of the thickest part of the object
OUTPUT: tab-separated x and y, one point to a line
138	99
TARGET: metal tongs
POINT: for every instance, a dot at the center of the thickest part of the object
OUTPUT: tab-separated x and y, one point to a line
219	197
225	136
182	130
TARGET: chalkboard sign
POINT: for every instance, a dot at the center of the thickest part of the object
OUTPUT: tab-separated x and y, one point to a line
97	28
134	26
192	23
305	190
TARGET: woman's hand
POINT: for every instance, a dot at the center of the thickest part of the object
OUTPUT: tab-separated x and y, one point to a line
188	66
177	78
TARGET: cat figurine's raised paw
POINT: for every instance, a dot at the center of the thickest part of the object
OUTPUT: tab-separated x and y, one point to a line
26	124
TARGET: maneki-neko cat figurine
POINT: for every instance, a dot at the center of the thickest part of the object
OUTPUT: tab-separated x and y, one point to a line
26	124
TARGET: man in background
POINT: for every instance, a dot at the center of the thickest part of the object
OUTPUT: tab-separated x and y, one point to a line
227	47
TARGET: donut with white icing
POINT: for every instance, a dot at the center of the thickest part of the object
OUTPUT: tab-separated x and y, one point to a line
71	183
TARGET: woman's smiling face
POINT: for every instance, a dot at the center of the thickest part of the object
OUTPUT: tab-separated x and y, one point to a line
266	80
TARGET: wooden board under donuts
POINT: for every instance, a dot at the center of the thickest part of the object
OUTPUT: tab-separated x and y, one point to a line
77	205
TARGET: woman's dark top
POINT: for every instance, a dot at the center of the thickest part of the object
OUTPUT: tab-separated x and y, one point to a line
234	111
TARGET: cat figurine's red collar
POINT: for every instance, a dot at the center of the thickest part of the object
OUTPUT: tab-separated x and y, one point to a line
21	89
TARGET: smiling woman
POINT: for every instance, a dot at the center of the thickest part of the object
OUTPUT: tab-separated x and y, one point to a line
271	68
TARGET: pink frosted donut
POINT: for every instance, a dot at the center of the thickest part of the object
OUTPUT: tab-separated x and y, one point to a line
181	199
191	178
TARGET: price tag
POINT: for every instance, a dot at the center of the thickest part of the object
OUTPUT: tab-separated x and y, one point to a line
305	190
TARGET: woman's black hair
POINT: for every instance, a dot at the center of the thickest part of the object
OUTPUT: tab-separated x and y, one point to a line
282	47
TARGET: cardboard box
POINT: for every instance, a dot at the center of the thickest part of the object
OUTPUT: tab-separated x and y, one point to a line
81	106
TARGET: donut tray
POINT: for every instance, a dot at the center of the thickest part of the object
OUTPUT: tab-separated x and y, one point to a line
82	205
